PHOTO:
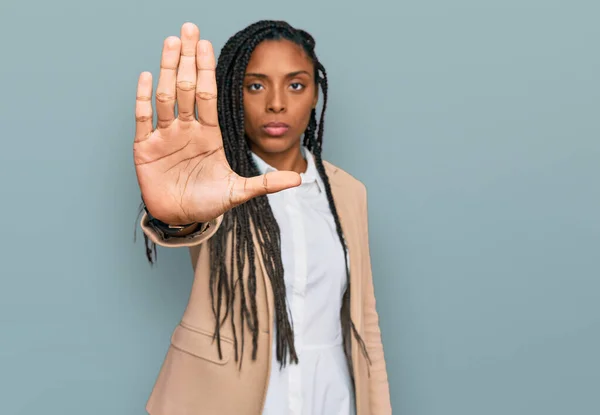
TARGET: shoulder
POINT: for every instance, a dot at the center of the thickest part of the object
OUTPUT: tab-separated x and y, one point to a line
341	178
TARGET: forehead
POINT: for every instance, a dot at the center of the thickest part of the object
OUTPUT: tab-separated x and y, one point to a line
278	57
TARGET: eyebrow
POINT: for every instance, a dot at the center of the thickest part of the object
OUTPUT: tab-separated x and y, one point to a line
263	76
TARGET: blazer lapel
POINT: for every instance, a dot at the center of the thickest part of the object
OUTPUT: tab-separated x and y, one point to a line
345	204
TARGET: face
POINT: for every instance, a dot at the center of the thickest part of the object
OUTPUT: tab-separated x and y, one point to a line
279	94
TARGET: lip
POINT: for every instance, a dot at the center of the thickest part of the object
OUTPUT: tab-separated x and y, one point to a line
276	129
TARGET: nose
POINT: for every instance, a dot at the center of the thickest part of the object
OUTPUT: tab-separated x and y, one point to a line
276	102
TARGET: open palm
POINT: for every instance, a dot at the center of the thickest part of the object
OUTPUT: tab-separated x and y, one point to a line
181	166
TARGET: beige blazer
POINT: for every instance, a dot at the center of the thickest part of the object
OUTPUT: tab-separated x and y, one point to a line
194	381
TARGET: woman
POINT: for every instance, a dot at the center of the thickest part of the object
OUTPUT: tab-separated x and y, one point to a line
277	236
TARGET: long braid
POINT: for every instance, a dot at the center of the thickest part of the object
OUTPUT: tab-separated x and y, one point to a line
237	224
315	145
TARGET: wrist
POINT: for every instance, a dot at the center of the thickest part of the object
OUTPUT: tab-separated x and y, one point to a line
169	228
188	230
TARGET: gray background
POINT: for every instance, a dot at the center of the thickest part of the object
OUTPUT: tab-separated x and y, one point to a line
474	125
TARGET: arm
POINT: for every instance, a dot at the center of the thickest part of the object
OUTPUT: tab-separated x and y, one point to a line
378	381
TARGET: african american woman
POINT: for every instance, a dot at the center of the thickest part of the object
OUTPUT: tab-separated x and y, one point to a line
281	317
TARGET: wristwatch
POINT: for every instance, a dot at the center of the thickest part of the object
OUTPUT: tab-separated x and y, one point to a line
165	226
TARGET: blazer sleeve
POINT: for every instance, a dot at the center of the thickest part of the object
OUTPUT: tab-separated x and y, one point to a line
207	230
378	381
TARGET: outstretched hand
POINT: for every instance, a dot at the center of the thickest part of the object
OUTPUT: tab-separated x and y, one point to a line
181	166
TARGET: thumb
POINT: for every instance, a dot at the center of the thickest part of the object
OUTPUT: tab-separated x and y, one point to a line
270	182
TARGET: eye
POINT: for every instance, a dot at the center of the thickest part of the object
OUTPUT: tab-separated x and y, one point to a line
254	87
297	86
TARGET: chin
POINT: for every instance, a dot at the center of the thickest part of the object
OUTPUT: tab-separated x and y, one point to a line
275	144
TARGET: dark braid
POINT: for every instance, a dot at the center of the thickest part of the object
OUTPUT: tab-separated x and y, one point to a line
315	145
256	213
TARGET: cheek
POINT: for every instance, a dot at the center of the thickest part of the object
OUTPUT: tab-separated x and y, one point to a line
304	109
250	113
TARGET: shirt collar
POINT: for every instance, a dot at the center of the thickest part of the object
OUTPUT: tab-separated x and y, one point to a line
311	175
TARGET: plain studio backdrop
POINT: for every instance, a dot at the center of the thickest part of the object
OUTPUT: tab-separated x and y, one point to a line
474	125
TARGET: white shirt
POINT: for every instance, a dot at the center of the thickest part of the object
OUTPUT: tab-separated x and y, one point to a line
315	281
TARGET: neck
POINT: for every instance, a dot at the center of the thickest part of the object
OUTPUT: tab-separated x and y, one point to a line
288	160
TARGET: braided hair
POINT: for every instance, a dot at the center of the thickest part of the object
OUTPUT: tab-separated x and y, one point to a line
237	222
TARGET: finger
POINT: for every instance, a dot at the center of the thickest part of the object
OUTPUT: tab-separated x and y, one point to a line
271	182
186	75
206	89
143	107
165	92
